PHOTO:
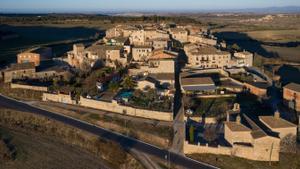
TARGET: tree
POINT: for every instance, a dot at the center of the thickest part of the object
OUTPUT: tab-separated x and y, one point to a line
236	47
113	86
191	133
210	135
128	83
288	144
5	153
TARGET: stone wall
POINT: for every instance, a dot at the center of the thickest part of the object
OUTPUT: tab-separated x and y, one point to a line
242	151
191	148
126	110
113	107
292	96
28	87
61	98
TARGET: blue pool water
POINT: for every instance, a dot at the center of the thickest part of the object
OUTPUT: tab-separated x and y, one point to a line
125	94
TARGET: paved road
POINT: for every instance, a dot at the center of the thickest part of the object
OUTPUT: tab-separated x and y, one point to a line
124	141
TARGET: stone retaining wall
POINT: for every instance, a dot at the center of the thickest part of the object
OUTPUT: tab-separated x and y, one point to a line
113	107
28	87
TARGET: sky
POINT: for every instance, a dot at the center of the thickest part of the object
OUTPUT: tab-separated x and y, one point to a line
137	5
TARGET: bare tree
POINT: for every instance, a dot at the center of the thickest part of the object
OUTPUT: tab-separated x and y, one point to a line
288	144
210	135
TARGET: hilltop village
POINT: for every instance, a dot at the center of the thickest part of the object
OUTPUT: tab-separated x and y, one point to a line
173	73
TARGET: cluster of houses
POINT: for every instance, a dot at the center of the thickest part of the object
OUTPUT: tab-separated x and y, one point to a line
266	135
35	63
151	55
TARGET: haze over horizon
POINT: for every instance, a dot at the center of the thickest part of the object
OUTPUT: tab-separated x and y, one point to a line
136	5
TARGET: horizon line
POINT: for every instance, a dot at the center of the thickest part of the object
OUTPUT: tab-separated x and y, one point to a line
99	11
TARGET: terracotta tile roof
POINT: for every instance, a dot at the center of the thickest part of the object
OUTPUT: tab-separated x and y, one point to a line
79	45
293	86
233	126
142	47
256	132
162	76
163	54
208	50
273	122
21	66
177	30
197	81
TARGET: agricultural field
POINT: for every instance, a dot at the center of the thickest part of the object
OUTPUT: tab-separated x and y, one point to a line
291	161
33	36
270	36
276	35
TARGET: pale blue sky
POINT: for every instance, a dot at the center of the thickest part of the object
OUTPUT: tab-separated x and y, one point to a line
101	5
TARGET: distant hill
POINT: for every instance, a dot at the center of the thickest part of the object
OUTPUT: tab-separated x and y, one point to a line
269	10
286	9
148	12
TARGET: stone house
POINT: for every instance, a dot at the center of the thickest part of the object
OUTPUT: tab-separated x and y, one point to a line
107	54
242	59
179	34
77	55
286	130
161	43
26	57
143	37
257	88
18	71
115	54
117	41
197	84
291	96
160	66
120	31
163	61
196	38
249	140
141	53
206	56
35	55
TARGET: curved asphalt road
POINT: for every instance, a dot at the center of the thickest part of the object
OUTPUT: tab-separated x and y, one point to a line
126	142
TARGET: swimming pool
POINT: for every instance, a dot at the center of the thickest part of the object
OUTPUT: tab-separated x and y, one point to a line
125	95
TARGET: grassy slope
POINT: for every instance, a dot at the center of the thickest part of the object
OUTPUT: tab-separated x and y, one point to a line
45	143
287	161
35	151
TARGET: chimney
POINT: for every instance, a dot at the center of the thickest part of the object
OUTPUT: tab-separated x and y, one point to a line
238	119
236	107
277	114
